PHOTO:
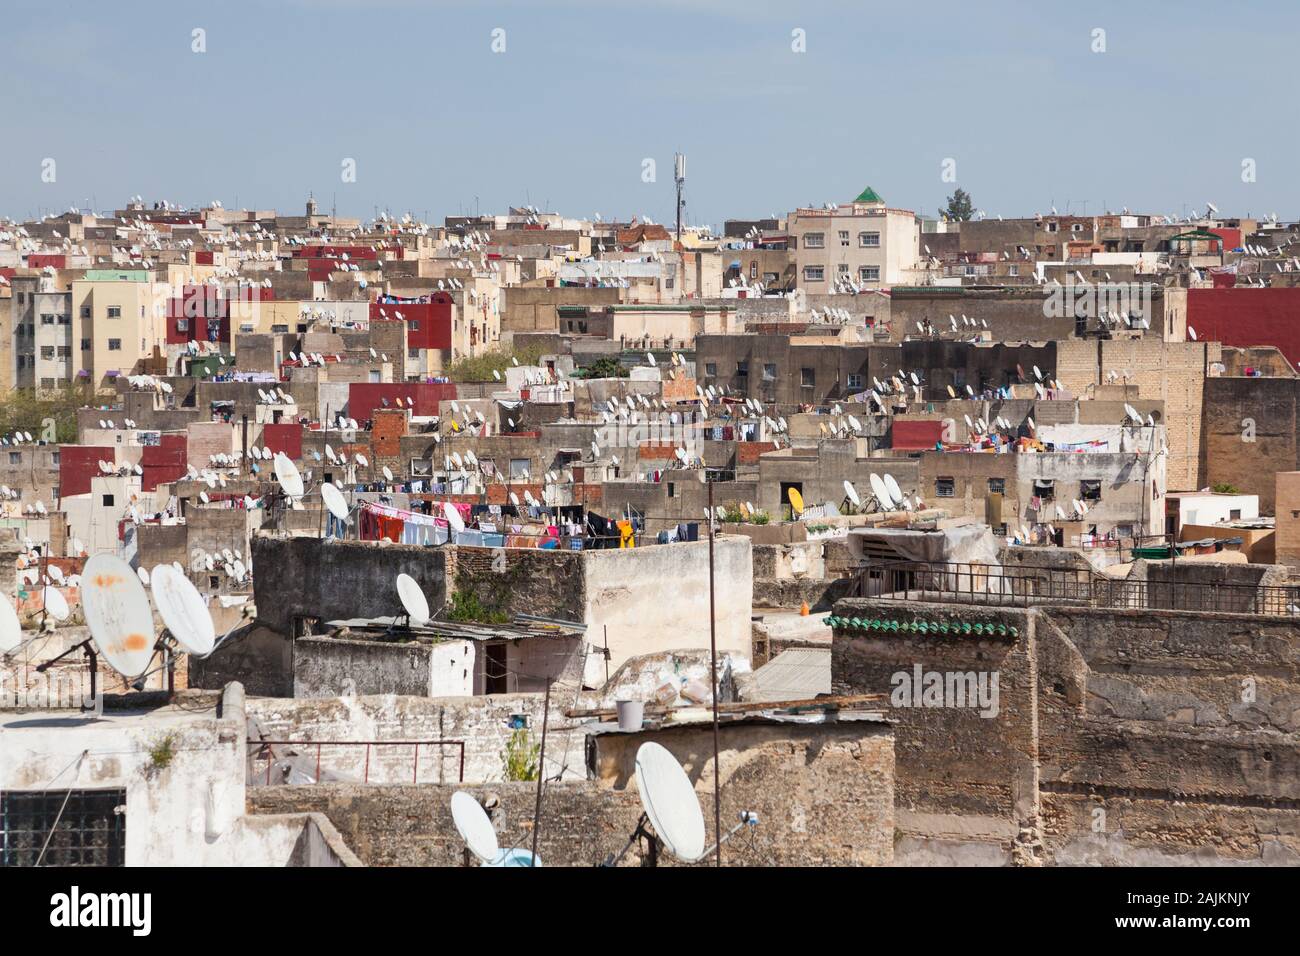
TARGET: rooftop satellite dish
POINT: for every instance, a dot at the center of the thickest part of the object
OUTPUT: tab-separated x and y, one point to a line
670	802
474	827
183	610
333	499
852	493
453	517
362	460
388	474
11	630
413	600
143	576
287	474
117	613
881	492
891	486
55	604
796	500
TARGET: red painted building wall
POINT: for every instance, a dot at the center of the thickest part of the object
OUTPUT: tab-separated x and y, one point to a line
1231	237
38	260
78	464
428	324
163	463
365	397
284	438
915	436
199	309
1243	317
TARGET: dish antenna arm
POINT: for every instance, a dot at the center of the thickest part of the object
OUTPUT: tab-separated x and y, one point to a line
92	658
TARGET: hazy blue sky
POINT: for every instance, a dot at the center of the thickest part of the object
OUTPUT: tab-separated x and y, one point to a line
586	90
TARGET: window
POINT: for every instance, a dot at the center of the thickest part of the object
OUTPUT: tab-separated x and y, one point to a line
47	351
814	273
753	269
114	311
47	318
868	240
769	371
869	274
945	487
65	351
807	377
1234	514
108	501
519	467
842	268
47	383
672	490
844	237
855	382
182	325
1013	270
85	311
997	486
711	368
1090	490
54	460
742	368
85	345
814	240
1045	490
115	345
63	828
15	458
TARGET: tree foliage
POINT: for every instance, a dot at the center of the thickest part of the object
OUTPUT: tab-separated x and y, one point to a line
960	206
23	409
479	368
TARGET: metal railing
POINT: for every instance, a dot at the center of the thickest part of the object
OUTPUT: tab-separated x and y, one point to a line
1026	585
265	751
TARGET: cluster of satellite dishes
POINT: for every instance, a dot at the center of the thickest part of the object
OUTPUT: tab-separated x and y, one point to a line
118	616
885	494
274	396
146	383
1131	414
122	470
671	818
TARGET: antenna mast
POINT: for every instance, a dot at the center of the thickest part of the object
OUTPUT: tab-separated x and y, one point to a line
679	178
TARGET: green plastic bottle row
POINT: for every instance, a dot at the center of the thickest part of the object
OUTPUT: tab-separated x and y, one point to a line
941	628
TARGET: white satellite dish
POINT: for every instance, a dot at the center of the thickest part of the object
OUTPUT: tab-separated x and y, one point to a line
453	516
852	493
362	460
333	499
55	603
670	802
474	827
117	613
143	575
881	492
11	630
891	486
413	599
388	474
183	610
287	473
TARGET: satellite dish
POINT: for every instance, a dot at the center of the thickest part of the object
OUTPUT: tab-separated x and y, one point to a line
388	475
413	600
453	516
892	487
287	473
796	500
11	631
143	576
852	493
117	613
362	461
881	492
670	802
55	603
183	610
475	828
333	499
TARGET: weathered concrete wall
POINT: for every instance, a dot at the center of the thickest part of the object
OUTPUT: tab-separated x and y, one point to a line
657	598
259	658
331	667
330	579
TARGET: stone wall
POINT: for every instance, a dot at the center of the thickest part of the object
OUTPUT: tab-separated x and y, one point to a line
1121	737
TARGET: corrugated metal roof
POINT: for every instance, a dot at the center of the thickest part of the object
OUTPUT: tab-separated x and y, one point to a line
795	674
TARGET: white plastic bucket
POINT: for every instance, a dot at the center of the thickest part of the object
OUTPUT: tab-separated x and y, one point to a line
631	714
